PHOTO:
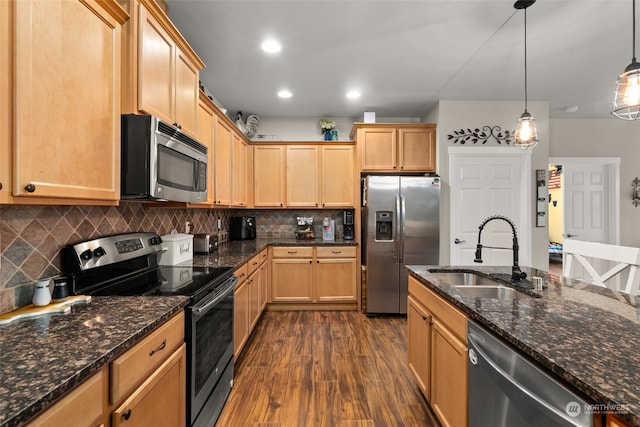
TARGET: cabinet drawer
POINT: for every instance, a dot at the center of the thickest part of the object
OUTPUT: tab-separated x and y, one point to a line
81	407
130	369
264	255
293	252
336	251
241	273
450	316
253	264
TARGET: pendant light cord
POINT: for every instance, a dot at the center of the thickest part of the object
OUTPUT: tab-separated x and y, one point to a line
525	56
634	33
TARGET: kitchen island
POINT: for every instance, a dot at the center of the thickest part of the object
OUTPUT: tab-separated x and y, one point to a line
584	335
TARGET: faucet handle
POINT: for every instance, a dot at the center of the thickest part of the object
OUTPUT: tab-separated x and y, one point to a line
478	258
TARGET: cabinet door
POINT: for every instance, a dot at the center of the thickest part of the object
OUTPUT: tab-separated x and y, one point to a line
205	135
417	149
378	149
419	351
303	164
254	299
222	167
336	280
240	317
6	100
292	280
239	167
269	176
448	376
186	92
156	65
160	400
337	177
263	272
66	100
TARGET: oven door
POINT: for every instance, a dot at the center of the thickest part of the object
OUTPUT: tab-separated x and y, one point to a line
210	349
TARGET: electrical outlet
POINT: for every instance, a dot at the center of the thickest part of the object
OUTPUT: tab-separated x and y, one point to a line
219	224
187	227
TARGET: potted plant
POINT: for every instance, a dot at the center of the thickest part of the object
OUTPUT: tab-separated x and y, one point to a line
327	126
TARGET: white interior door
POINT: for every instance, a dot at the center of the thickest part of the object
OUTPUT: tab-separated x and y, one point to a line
486	181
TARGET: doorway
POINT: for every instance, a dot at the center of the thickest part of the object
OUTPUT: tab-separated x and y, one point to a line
584	202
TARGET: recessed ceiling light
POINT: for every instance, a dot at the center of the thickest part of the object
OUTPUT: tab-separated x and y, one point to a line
353	94
285	94
271	46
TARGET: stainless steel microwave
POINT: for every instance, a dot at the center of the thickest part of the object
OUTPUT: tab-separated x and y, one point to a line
161	163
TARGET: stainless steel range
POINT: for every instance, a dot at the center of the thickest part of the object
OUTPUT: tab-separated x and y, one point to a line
127	264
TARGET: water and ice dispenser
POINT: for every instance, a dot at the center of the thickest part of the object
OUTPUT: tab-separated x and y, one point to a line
384	225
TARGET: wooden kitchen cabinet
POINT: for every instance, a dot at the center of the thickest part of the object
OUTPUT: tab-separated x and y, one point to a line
239	172
240	310
222	168
292	274
206	123
302	176
437	353
396	147
335	275
60	60
249	299
161	70
419	349
263	272
269	176
160	400
82	407
337	176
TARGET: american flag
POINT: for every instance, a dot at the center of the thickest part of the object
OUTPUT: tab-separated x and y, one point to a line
554	179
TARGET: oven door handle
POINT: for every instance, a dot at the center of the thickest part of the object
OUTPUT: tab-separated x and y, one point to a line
207	304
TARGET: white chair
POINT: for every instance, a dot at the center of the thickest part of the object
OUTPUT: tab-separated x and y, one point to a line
626	258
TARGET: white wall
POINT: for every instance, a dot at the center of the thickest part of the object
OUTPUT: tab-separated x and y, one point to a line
453	115
605	138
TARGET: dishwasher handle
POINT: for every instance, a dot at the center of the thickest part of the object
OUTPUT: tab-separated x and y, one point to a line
507	380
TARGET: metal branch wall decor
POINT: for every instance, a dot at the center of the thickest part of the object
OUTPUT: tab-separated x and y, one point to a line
482	136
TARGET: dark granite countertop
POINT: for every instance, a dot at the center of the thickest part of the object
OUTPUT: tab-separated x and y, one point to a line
236	252
43	358
586	335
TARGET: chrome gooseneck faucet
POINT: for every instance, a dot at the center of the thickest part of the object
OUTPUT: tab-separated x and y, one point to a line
516	273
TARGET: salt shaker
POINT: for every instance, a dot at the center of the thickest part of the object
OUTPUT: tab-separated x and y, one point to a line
41	294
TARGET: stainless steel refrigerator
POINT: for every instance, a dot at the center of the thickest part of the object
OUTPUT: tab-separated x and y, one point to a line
400	226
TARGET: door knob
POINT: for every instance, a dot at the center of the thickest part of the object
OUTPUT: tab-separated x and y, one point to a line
458	241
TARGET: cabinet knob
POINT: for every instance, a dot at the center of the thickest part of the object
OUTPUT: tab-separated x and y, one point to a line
30	188
0	186
127	414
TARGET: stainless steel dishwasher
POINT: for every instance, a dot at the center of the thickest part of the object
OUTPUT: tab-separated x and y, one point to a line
506	390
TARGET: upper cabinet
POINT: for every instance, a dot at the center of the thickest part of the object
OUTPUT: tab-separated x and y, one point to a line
206	123
239	172
60	115
222	167
160	70
269	176
337	176
396	147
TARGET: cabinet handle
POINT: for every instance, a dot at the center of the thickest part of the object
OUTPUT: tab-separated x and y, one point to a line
127	414
255	263
336	252
280	204
292	252
30	188
0	186
318	261
424	318
162	346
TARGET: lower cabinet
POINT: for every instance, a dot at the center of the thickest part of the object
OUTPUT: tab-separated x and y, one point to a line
249	299
145	386
308	277
437	352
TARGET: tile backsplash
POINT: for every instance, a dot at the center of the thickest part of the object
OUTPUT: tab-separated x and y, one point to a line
31	237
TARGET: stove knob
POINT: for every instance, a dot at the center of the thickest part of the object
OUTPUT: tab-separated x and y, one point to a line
155	241
86	255
98	252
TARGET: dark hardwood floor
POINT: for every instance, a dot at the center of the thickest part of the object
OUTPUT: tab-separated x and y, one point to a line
325	368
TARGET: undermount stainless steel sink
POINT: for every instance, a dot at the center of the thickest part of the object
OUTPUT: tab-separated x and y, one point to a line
494	292
458	278
479	286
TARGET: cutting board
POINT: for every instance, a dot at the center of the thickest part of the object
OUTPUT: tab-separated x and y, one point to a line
31	310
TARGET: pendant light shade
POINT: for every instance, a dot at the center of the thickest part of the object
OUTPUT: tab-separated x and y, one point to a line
626	104
526	134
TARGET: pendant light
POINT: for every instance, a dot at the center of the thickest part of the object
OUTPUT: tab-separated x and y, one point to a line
526	133
626	104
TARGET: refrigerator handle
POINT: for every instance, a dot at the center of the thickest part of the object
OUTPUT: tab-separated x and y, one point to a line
398	256
402	227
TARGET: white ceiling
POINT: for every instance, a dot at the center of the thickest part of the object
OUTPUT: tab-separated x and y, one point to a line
404	56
